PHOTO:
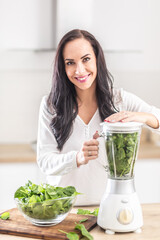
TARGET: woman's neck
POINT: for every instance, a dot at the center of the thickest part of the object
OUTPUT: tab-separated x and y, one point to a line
86	97
87	104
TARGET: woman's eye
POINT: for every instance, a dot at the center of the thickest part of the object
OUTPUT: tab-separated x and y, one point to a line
70	63
86	59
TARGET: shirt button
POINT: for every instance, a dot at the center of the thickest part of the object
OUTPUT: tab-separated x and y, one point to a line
87	132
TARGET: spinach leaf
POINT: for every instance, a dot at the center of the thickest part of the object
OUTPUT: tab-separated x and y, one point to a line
5	215
83	211
88	212
84	231
70	235
83	220
74	236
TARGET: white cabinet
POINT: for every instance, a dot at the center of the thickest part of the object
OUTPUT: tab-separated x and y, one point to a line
118	25
147	180
14	175
28	24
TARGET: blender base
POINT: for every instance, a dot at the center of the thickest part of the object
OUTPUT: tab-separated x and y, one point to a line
120	210
110	232
139	230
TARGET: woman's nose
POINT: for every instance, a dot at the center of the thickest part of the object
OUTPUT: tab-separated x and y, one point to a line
79	68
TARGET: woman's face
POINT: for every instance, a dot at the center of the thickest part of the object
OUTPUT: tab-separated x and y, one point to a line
80	63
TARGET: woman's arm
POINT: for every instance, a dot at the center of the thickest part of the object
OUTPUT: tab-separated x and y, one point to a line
132	108
49	158
126	116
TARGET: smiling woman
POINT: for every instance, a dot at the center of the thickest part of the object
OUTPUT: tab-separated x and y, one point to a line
70	65
81	97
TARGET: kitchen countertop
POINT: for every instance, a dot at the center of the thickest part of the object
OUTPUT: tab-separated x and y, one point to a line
10	153
150	229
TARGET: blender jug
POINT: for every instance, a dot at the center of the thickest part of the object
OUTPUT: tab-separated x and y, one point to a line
121	142
120	210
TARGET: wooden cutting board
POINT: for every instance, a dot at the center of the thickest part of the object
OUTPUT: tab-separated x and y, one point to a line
19	226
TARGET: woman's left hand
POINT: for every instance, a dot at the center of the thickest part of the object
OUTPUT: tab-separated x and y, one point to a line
126	116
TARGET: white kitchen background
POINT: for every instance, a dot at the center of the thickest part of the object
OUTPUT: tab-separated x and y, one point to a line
129	32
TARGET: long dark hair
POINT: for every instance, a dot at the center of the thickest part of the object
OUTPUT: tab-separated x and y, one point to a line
62	98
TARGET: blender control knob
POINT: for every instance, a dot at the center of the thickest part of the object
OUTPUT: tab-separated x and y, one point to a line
125	216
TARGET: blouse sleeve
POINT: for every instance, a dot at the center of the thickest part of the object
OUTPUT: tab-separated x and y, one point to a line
50	160
133	103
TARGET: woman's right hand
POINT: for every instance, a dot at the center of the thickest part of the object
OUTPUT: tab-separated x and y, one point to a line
89	151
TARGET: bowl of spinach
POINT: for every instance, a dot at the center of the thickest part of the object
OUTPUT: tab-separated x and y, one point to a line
44	204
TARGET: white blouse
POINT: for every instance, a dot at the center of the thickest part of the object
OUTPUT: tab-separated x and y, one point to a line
61	168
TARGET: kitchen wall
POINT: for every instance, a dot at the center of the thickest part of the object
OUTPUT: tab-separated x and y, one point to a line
23	81
25	76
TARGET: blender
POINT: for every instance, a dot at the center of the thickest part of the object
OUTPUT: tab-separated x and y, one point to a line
120	209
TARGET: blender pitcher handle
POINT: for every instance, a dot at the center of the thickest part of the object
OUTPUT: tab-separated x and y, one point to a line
97	135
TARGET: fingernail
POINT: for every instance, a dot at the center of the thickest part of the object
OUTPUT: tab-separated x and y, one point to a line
113	120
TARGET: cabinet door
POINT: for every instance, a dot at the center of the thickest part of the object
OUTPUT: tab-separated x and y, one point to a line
28	24
147	180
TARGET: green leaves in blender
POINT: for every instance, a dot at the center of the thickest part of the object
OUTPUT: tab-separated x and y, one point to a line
121	152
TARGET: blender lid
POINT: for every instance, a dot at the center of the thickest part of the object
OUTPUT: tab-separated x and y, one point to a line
118	126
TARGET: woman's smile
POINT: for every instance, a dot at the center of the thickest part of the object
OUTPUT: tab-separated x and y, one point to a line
83	79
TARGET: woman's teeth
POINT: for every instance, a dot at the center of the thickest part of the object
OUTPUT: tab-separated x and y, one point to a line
82	79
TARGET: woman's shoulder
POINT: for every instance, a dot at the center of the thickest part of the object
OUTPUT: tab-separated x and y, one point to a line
44	106
118	95
44	100
124	100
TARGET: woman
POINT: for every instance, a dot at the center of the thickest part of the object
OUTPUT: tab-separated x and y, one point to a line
81	98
